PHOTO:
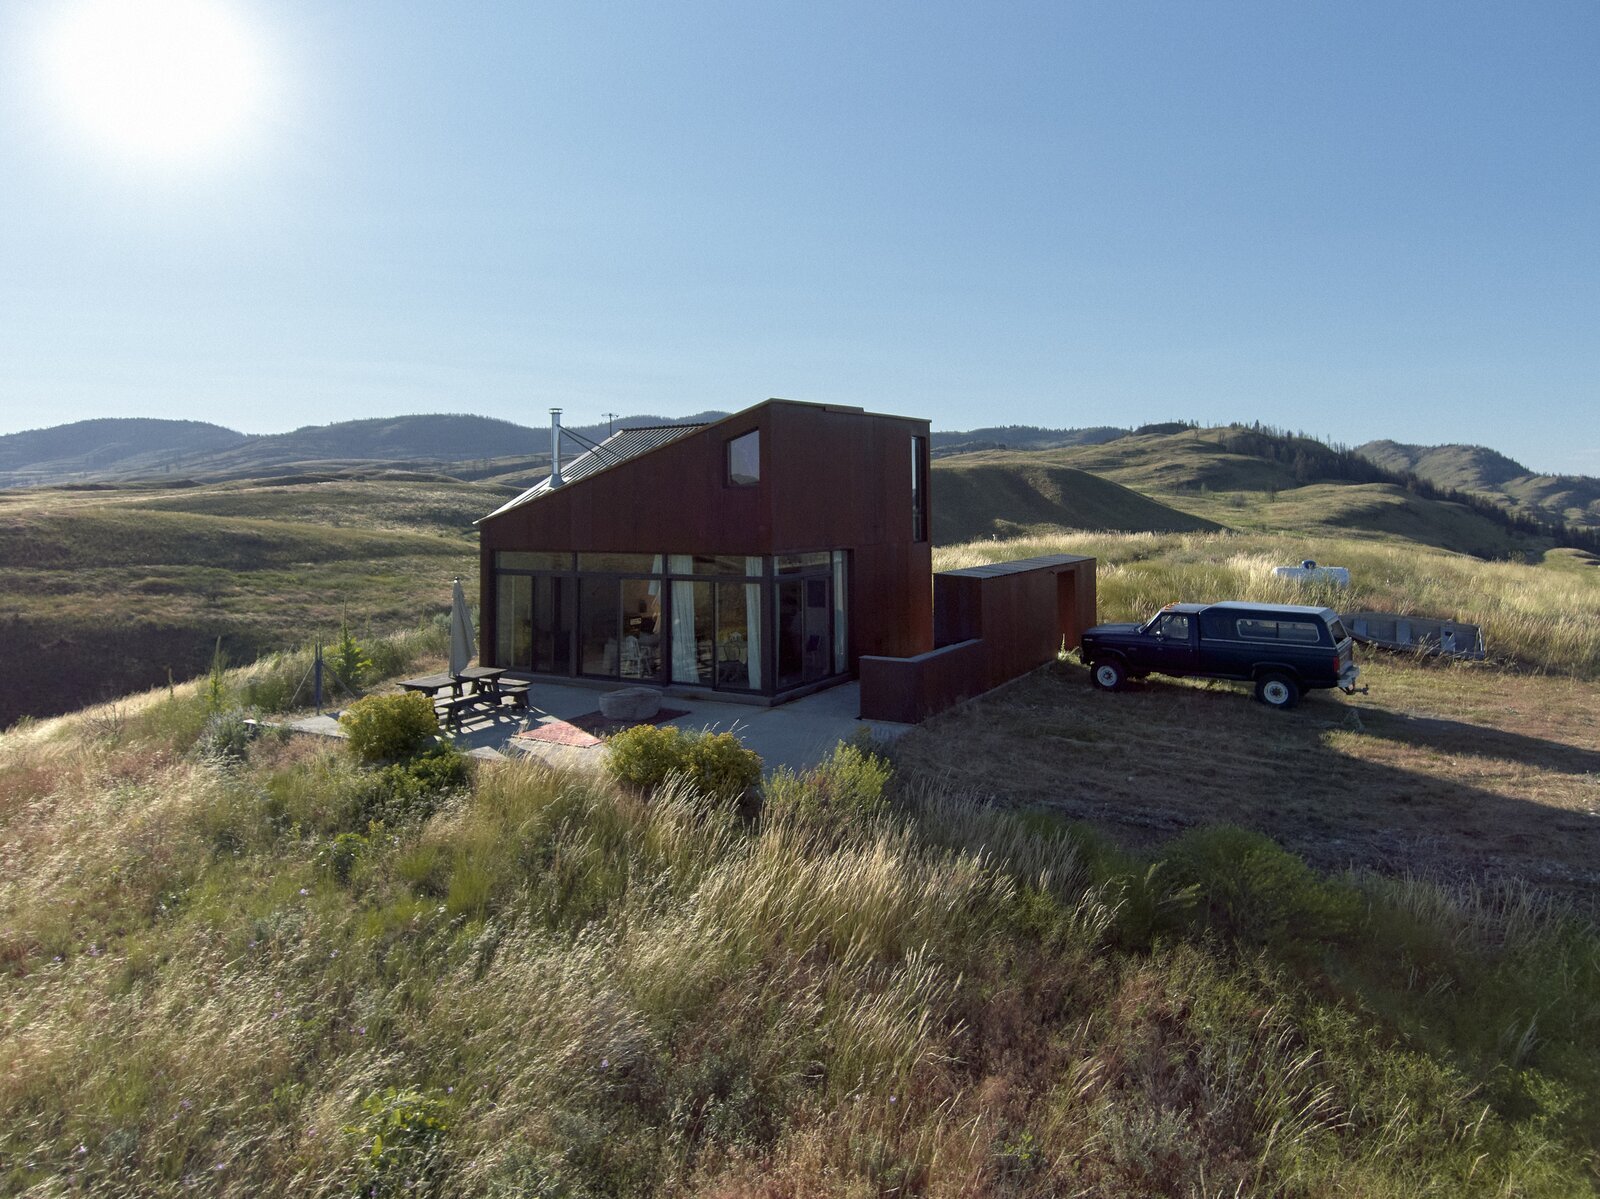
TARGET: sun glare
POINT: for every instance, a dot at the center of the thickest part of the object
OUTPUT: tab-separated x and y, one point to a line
157	80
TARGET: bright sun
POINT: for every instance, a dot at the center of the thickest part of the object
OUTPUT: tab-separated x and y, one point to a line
157	80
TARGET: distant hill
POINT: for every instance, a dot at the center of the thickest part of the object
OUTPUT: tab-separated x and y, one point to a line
109	448
1018	437
1009	493
1574	499
127	450
1252	478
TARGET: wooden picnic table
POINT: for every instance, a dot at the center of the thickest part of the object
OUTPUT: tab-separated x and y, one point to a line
484	679
485	690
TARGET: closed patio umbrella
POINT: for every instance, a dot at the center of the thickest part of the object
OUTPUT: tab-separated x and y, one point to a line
462	646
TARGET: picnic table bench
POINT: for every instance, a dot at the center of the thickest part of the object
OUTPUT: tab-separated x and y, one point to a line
477	686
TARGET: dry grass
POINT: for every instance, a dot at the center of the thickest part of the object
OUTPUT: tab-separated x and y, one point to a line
1544	617
1456	771
597	994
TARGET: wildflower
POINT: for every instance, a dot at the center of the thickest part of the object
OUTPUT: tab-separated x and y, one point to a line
334	954
449	1090
185	1104
305	891
605	1063
81	1149
893	1099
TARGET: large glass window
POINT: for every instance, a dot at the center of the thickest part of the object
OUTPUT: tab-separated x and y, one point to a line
532	560
641	629
738	638
600	609
619	563
744	460
552	624
693	630
513	621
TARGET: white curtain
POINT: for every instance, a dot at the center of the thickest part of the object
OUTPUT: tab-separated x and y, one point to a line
685	668
752	621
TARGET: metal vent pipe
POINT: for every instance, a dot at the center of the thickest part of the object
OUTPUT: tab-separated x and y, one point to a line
555	447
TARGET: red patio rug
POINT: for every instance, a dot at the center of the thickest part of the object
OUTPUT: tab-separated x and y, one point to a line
586	730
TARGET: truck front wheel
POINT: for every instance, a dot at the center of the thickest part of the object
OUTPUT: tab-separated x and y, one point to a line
1108	674
1277	691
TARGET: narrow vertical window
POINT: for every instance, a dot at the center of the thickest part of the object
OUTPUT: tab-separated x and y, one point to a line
744	460
919	489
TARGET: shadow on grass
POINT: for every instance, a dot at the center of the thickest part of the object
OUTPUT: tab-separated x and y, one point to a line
1386	792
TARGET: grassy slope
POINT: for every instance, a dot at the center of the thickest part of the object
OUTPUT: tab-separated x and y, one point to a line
1193	475
102	592
1006	494
1575	499
549	986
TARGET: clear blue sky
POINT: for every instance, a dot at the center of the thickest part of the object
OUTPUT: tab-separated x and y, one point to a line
1360	219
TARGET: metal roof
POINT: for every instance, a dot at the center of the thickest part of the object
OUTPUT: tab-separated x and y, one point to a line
1019	566
613	451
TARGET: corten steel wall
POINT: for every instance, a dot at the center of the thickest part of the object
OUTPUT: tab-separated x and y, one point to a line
1007	619
831	478
909	690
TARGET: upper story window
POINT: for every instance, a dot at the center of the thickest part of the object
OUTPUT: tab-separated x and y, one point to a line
744	460
919	489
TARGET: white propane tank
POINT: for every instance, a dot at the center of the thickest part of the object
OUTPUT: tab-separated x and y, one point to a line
1309	572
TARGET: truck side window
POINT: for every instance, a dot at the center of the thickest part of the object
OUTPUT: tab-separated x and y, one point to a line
1174	627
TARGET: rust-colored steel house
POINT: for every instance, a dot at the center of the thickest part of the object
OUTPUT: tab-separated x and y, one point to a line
761	555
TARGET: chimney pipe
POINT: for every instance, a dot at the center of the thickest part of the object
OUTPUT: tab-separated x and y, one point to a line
555	447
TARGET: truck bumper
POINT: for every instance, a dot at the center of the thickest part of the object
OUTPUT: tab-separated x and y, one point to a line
1347	680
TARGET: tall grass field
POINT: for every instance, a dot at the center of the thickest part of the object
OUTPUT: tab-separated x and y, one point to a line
1544	616
261	967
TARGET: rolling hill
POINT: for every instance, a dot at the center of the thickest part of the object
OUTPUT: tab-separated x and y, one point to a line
1240	478
112	448
135	449
1574	499
1007	494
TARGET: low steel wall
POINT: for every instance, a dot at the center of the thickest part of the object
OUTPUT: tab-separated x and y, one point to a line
909	690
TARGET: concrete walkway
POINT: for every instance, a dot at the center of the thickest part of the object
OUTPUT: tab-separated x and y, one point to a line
797	735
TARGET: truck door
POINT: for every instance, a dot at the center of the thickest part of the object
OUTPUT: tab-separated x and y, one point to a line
1173	644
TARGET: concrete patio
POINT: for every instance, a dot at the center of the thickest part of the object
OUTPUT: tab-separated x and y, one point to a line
797	735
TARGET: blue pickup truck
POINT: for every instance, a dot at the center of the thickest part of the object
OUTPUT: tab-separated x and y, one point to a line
1285	649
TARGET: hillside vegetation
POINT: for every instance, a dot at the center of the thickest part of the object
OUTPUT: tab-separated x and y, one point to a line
1540	616
1250	479
1474	468
996	495
246	969
105	592
143	449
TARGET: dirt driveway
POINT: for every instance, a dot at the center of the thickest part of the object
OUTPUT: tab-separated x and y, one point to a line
1450	771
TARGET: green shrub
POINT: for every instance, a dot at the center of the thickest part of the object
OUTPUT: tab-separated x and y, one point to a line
385	728
226	735
402	1142
719	766
349	657
645	756
340	855
1249	889
852	785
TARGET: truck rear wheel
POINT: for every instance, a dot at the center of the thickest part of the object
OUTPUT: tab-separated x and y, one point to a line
1108	674
1277	691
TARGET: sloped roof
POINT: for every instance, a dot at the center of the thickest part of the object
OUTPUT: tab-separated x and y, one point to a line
613	451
